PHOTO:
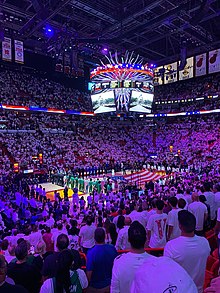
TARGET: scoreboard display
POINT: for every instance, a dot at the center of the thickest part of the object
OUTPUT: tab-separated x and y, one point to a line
100	86
124	84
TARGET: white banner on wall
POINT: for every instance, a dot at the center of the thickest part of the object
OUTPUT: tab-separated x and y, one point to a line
200	65
6	49
187	72
214	61
170	73
19	51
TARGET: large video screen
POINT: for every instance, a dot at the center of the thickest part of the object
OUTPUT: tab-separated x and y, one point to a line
140	98
103	102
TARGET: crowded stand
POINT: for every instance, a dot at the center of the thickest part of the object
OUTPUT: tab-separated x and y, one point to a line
67	143
109	146
107	236
201	93
41	92
55	242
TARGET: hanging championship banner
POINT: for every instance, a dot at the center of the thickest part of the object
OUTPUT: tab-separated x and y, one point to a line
75	63
6	49
80	66
59	64
187	72
214	61
66	62
158	75
200	64
170	74
19	51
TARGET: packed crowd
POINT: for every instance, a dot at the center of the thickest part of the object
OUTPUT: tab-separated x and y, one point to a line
202	87
67	246
40	92
82	244
192	88
190	143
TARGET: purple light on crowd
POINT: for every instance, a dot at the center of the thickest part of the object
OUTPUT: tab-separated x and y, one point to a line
105	49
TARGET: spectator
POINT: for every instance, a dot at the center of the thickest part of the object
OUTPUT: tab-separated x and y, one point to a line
5	286
50	263
47	238
156	227
99	264
210	199
23	273
66	279
125	265
167	280
122	242
189	250
86	235
173	230
199	210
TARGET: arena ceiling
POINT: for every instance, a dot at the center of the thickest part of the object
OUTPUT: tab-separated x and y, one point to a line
157	30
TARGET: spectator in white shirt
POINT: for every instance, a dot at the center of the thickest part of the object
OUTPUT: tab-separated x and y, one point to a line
35	237
86	235
156	227
189	250
210	197
136	215
199	210
56	233
217	195
161	274
173	230
122	242
125	265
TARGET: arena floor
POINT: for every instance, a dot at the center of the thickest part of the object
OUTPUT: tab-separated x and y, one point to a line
50	188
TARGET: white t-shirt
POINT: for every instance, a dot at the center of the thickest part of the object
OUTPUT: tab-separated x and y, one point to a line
124	268
188	198
157	225
138	216
150	213
198	209
172	220
34	238
87	234
162	275
210	197
122	240
191	253
47	286
217	199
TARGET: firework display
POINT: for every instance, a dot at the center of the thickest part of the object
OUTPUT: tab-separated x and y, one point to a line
122	85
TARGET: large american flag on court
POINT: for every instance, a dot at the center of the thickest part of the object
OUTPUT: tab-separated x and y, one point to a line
142	177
